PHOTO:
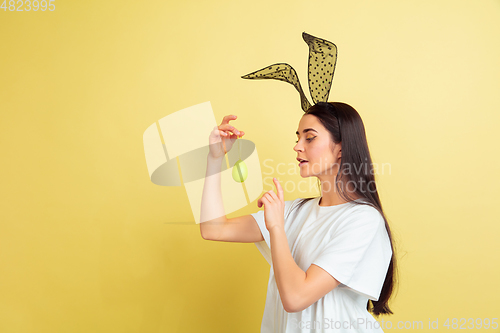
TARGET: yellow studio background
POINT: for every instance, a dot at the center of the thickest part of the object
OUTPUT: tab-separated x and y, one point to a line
87	241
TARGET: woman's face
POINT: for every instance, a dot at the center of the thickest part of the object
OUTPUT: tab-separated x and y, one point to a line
315	146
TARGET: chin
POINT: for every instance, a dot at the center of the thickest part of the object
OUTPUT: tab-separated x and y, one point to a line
305	174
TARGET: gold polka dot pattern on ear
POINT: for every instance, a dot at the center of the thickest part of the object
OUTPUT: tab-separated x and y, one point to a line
322	61
282	72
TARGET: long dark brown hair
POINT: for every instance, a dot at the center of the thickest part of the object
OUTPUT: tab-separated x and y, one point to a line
345	125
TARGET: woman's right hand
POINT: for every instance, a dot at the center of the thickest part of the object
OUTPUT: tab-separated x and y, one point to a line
221	140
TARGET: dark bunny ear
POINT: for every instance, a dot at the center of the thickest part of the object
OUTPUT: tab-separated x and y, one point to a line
322	60
282	72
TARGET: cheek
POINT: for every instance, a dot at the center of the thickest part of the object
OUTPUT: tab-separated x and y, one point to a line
320	151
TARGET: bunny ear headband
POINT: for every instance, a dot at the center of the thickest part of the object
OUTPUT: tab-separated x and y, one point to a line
322	60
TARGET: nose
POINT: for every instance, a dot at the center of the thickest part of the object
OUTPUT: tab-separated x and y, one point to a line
298	147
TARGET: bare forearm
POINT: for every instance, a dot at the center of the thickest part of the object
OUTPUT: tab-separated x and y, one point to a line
289	276
212	214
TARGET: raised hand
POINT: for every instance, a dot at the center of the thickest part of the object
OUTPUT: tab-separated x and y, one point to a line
222	137
274	207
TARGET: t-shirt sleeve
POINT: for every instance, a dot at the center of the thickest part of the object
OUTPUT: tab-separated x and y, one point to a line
358	253
265	245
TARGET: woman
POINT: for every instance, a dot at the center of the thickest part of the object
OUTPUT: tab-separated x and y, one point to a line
334	255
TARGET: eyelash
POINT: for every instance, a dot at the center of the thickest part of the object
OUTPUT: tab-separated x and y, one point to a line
310	139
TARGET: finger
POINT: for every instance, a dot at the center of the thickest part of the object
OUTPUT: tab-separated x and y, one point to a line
226	119
259	202
229	128
279	189
273	196
264	201
228	135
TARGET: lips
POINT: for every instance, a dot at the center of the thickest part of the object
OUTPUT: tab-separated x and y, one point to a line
301	161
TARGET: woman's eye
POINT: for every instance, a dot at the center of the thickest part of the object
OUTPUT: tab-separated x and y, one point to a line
308	139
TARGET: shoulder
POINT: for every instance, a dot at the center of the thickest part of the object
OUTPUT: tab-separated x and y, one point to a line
363	215
365	209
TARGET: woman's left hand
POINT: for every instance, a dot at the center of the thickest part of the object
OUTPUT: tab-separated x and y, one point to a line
274	207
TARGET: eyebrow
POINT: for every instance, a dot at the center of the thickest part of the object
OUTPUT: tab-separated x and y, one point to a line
307	130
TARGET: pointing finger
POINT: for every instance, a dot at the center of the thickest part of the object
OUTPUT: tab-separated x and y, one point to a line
279	189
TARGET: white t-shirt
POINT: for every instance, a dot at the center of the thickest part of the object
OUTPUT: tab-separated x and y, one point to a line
351	243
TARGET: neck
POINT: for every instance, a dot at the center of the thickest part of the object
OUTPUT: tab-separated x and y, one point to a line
329	194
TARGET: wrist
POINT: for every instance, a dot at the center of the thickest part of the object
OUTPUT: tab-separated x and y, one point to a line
210	158
276	228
